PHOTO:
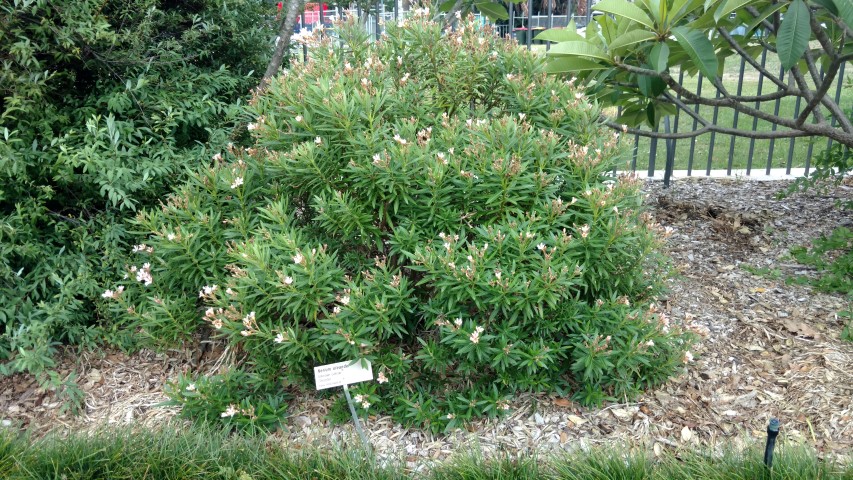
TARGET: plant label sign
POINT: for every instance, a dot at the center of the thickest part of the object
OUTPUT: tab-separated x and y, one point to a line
342	373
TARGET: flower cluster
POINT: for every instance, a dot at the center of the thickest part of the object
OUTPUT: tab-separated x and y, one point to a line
143	274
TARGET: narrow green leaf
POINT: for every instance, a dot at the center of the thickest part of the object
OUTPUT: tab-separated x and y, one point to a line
578	49
793	36
621	8
728	7
560	35
698	48
631	38
659	57
494	11
571	64
845	11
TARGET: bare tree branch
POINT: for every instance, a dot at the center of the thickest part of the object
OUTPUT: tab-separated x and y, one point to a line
746	56
761	135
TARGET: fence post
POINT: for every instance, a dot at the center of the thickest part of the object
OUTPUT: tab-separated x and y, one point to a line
670	154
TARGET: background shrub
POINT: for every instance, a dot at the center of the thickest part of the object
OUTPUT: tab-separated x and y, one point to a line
433	203
103	106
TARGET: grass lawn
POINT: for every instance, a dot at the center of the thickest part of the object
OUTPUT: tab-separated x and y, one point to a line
177	452
737	152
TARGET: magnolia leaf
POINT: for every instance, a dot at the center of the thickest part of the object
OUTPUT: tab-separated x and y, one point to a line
793	36
770	10
651	115
494	11
571	64
829	5
578	49
709	4
631	38
659	57
681	8
845	11
559	35
446	6
730	6
621	8
698	48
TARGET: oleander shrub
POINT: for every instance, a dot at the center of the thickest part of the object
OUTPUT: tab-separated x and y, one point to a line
104	105
433	203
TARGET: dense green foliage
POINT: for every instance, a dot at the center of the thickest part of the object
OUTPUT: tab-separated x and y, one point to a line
178	453
433	203
103	106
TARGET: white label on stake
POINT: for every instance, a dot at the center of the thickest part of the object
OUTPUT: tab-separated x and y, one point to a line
342	373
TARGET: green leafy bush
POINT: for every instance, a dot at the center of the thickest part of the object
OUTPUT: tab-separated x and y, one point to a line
433	203
103	106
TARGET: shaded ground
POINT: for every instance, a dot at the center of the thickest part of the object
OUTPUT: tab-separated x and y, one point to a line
773	350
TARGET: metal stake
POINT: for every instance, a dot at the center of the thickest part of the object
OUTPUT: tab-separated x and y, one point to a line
772	432
355	418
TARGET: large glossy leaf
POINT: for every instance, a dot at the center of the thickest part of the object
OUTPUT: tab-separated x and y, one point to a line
577	49
698	48
845	11
681	8
793	36
827	4
494	11
621	8
631	38
571	64
649	86
659	57
712	4
559	35
730	6
770	10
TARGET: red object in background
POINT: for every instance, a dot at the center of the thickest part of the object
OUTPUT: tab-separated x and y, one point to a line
312	12
280	5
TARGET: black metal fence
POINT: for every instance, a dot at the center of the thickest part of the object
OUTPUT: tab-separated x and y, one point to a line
710	152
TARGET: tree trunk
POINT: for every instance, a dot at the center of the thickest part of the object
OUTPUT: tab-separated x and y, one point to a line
285	30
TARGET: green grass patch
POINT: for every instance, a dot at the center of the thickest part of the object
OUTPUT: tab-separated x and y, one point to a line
202	453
